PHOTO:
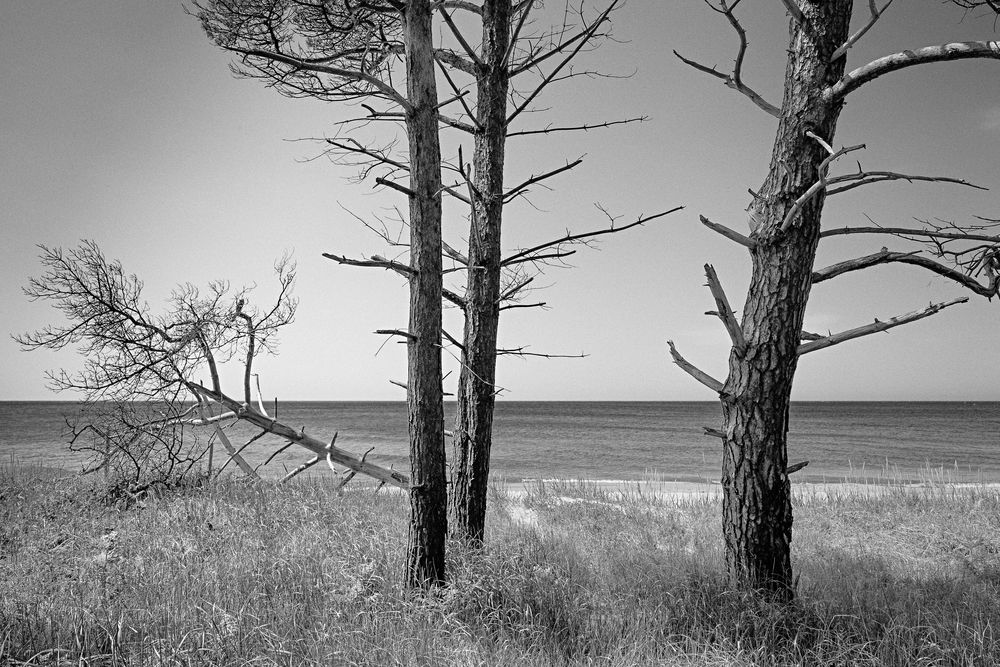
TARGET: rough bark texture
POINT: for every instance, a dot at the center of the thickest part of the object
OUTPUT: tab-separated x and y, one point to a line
757	511
476	385
428	492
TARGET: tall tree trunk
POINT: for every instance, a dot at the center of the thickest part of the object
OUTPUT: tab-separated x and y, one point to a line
757	511
428	492
476	385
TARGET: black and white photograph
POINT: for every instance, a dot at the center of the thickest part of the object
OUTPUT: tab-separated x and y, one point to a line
500	332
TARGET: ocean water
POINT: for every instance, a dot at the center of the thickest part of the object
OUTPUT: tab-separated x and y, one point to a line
612	440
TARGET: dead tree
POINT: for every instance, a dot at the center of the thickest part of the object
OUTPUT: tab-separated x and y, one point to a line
142	376
784	231
490	84
341	51
506	53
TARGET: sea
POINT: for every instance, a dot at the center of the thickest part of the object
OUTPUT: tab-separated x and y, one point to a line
843	441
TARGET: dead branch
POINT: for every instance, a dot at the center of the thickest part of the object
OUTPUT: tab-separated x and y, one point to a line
515	191
522	352
376	261
822	183
730	234
233	454
469	51
869	177
549	129
395	186
905	232
734	79
578	41
695	372
300	65
885	256
876	14
928	54
724	311
275	453
877	326
350	474
796	467
300	469
530	254
396	332
321	449
850	181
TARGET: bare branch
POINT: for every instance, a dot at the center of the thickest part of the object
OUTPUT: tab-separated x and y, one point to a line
396	332
909	231
884	256
513	192
469	51
795	467
876	14
395	186
869	177
299	64
585	128
460	93
850	181
529	254
734	79
581	39
929	54
698	374
321	449
522	352
376	261
724	311
730	234
877	326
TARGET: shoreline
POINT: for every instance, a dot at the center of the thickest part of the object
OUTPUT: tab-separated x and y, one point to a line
686	490
624	489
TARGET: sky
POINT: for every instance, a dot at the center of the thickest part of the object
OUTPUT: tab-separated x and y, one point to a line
121	123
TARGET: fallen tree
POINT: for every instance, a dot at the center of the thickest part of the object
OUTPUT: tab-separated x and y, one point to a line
141	380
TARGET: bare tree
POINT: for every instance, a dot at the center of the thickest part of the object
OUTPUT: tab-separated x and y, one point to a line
483	99
342	51
784	221
510	50
143	400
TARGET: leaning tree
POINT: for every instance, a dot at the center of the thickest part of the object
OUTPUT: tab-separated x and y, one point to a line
784	219
142	381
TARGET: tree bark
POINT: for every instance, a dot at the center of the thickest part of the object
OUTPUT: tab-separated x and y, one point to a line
476	386
428	493
757	511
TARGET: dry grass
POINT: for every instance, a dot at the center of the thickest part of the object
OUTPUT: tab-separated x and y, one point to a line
233	574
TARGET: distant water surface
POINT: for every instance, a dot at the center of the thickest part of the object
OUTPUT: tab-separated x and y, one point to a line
612	440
